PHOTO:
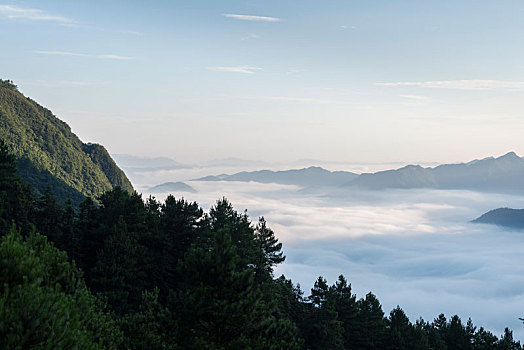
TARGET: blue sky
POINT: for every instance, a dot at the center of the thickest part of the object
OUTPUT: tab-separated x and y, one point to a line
276	80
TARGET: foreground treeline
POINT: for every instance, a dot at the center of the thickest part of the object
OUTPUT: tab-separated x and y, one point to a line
133	274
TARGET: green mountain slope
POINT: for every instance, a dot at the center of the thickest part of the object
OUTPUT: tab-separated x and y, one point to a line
50	154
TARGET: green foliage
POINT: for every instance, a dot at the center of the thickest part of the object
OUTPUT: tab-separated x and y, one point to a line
117	274
269	251
14	195
402	334
220	306
347	310
153	327
44	303
50	154
8	84
325	330
224	217
371	323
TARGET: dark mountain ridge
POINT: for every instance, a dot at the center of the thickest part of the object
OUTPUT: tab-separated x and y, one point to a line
508	217
172	187
502	174
312	176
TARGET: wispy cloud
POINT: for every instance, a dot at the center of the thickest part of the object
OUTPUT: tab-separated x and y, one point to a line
64	83
67	53
416	98
239	69
461	84
60	53
114	57
251	36
303	100
131	32
14	12
252	18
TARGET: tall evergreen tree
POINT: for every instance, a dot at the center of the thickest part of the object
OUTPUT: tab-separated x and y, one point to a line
401	334
506	342
224	217
118	275
269	251
324	330
182	224
220	306
371	323
347	310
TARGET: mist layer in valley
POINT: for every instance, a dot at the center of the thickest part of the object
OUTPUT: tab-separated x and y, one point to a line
415	248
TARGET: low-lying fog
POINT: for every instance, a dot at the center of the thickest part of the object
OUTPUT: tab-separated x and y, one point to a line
413	248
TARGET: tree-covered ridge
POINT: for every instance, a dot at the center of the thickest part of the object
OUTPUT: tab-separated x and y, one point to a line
142	274
50	154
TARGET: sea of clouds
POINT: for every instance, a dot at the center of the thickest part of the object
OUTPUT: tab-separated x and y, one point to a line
413	248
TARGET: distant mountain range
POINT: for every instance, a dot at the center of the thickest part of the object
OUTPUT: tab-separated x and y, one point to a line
312	176
50	155
502	174
172	187
130	162
512	218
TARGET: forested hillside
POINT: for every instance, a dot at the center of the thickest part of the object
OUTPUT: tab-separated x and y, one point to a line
141	274
50	155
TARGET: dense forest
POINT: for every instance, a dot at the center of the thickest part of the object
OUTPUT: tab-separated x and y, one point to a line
51	155
129	273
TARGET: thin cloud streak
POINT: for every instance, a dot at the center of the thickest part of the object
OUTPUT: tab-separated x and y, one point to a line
250	36
114	57
67	53
239	69
461	84
14	12
131	32
252	18
307	100
416	98
61	53
64	83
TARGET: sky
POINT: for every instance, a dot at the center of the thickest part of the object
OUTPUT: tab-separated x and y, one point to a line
378	81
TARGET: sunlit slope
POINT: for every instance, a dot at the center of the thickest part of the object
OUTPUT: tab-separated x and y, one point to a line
50	154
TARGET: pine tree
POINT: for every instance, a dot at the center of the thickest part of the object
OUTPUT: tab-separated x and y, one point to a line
506	341
324	330
346	308
371	323
118	274
269	251
219	306
402	335
182	224
224	217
